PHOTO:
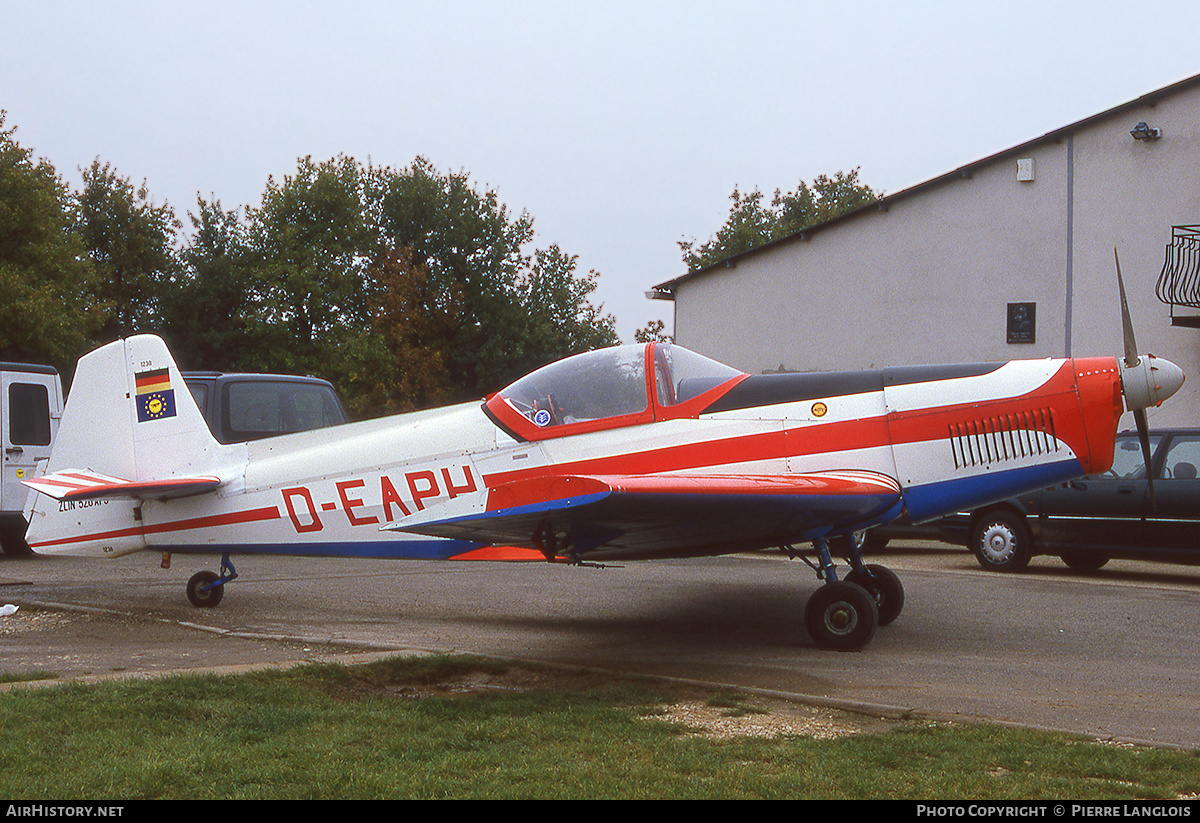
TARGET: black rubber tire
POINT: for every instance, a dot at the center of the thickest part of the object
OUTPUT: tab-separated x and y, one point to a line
873	543
1084	561
1000	542
12	537
204	599
885	587
841	616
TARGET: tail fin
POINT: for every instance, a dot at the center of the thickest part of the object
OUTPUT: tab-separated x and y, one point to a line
130	416
130	429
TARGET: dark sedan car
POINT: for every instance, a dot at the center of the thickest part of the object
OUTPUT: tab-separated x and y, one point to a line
1088	521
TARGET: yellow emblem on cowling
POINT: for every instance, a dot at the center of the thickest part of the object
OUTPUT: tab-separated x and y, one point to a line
819	409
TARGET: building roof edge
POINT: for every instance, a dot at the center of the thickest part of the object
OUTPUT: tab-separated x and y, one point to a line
666	289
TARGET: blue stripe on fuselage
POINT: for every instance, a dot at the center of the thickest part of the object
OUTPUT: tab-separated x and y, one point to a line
430	549
934	500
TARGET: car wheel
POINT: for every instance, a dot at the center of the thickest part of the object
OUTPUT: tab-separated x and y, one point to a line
873	543
863	540
1082	561
1001	542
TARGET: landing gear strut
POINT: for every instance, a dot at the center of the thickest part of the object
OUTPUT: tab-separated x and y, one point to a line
205	589
844	614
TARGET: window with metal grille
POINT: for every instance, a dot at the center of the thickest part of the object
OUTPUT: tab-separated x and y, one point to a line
1179	281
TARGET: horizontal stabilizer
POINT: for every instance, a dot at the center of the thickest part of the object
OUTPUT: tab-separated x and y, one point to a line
78	484
658	513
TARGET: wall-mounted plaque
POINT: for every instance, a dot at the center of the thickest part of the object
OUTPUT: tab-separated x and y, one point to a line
1022	326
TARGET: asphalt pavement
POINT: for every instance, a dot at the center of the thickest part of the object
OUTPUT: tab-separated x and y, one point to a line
1110	655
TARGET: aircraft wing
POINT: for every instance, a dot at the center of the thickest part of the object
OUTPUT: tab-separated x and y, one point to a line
663	514
81	484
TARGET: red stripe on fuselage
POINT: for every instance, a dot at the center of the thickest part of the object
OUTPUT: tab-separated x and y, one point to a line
915	426
232	518
830	437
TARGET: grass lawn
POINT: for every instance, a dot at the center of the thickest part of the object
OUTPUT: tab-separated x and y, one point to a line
457	727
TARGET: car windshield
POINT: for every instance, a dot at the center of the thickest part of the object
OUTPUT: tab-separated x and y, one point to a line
258	408
1128	461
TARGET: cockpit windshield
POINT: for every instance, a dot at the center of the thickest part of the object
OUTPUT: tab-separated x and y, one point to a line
598	384
681	374
605	388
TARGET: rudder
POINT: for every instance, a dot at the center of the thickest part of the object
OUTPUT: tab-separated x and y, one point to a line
130	431
130	415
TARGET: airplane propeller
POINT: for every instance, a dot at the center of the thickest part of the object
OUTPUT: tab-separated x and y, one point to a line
1146	381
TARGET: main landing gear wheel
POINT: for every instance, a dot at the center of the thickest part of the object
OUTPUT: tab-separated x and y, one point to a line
884	586
842	616
201	591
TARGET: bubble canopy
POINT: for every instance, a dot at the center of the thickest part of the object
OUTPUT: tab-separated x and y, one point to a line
609	388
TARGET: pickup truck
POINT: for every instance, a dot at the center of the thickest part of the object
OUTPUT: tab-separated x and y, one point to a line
241	407
237	407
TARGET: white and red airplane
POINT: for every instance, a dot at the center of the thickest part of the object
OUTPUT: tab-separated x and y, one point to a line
631	452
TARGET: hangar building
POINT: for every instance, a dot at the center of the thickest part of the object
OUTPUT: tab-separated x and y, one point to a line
1008	257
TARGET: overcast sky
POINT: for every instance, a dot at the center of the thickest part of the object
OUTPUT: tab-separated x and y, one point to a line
620	127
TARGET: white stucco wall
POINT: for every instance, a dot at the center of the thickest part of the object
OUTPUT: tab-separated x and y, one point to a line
929	279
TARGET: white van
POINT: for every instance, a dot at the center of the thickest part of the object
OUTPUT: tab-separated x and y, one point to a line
31	404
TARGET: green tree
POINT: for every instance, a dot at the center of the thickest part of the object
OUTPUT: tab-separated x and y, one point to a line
508	308
306	250
405	288
47	308
751	223
209	306
397	362
653	332
132	243
561	319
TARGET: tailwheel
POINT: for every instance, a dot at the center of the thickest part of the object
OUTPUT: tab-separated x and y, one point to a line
206	589
884	586
841	615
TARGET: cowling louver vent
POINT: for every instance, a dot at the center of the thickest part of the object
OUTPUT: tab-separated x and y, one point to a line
1001	438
